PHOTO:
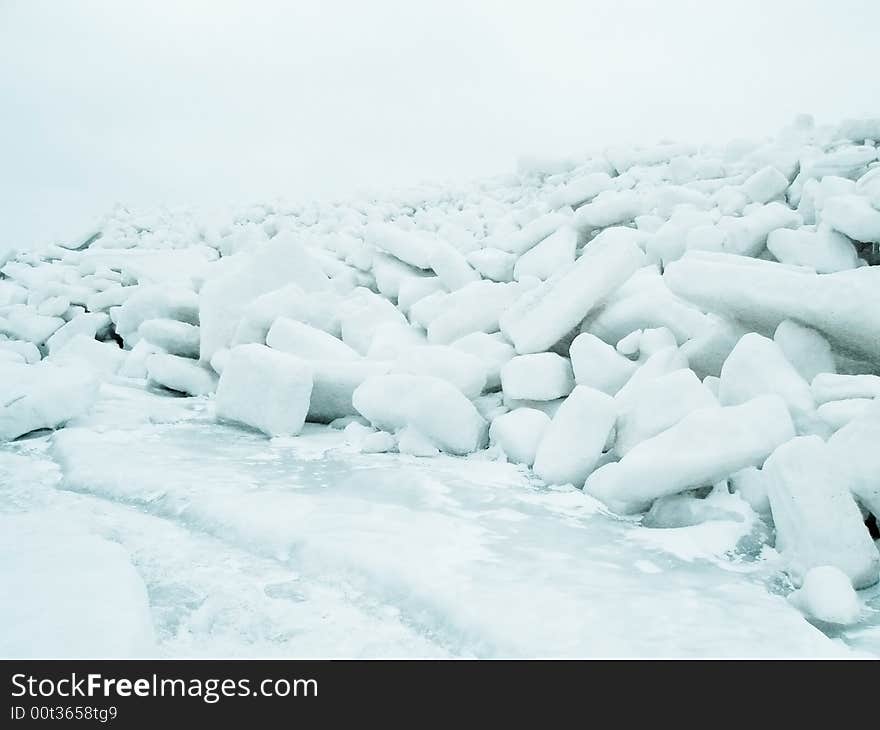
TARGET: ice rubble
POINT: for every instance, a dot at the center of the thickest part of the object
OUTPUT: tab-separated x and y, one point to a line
648	323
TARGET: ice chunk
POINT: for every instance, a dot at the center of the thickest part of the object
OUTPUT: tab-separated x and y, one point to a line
552	254
104	358
392	338
765	185
135	364
575	438
413	442
805	348
837	413
53	306
265	389
703	448
598	365
466	372
155	302
824	250
493	263
177	338
757	366
760	294
541	376
318	309
411	247
412	290
681	510
222	298
361	315
531	234
27	351
309	343
827	595
750	484
518	433
661	362
661	403
854	216
476	307
854	449
182	374
829	386
431	405
645	301
817	520
334	383
23	323
544	315
746	236
90	324
451	266
609	208
391	274
581	190
707	351
493	350
42	395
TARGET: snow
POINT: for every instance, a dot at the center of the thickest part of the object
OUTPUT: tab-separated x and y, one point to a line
542	376
703	448
264	389
575	438
518	433
544	315
817	520
429	404
827	595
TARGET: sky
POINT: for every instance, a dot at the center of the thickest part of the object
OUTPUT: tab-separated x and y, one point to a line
207	101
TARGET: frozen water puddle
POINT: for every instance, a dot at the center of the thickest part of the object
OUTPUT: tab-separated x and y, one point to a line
300	547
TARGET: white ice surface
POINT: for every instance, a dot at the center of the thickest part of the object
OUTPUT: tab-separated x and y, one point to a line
302	547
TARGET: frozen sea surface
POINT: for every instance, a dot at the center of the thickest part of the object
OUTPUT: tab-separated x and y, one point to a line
149	529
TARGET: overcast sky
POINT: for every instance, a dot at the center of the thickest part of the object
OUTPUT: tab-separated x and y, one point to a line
210	101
